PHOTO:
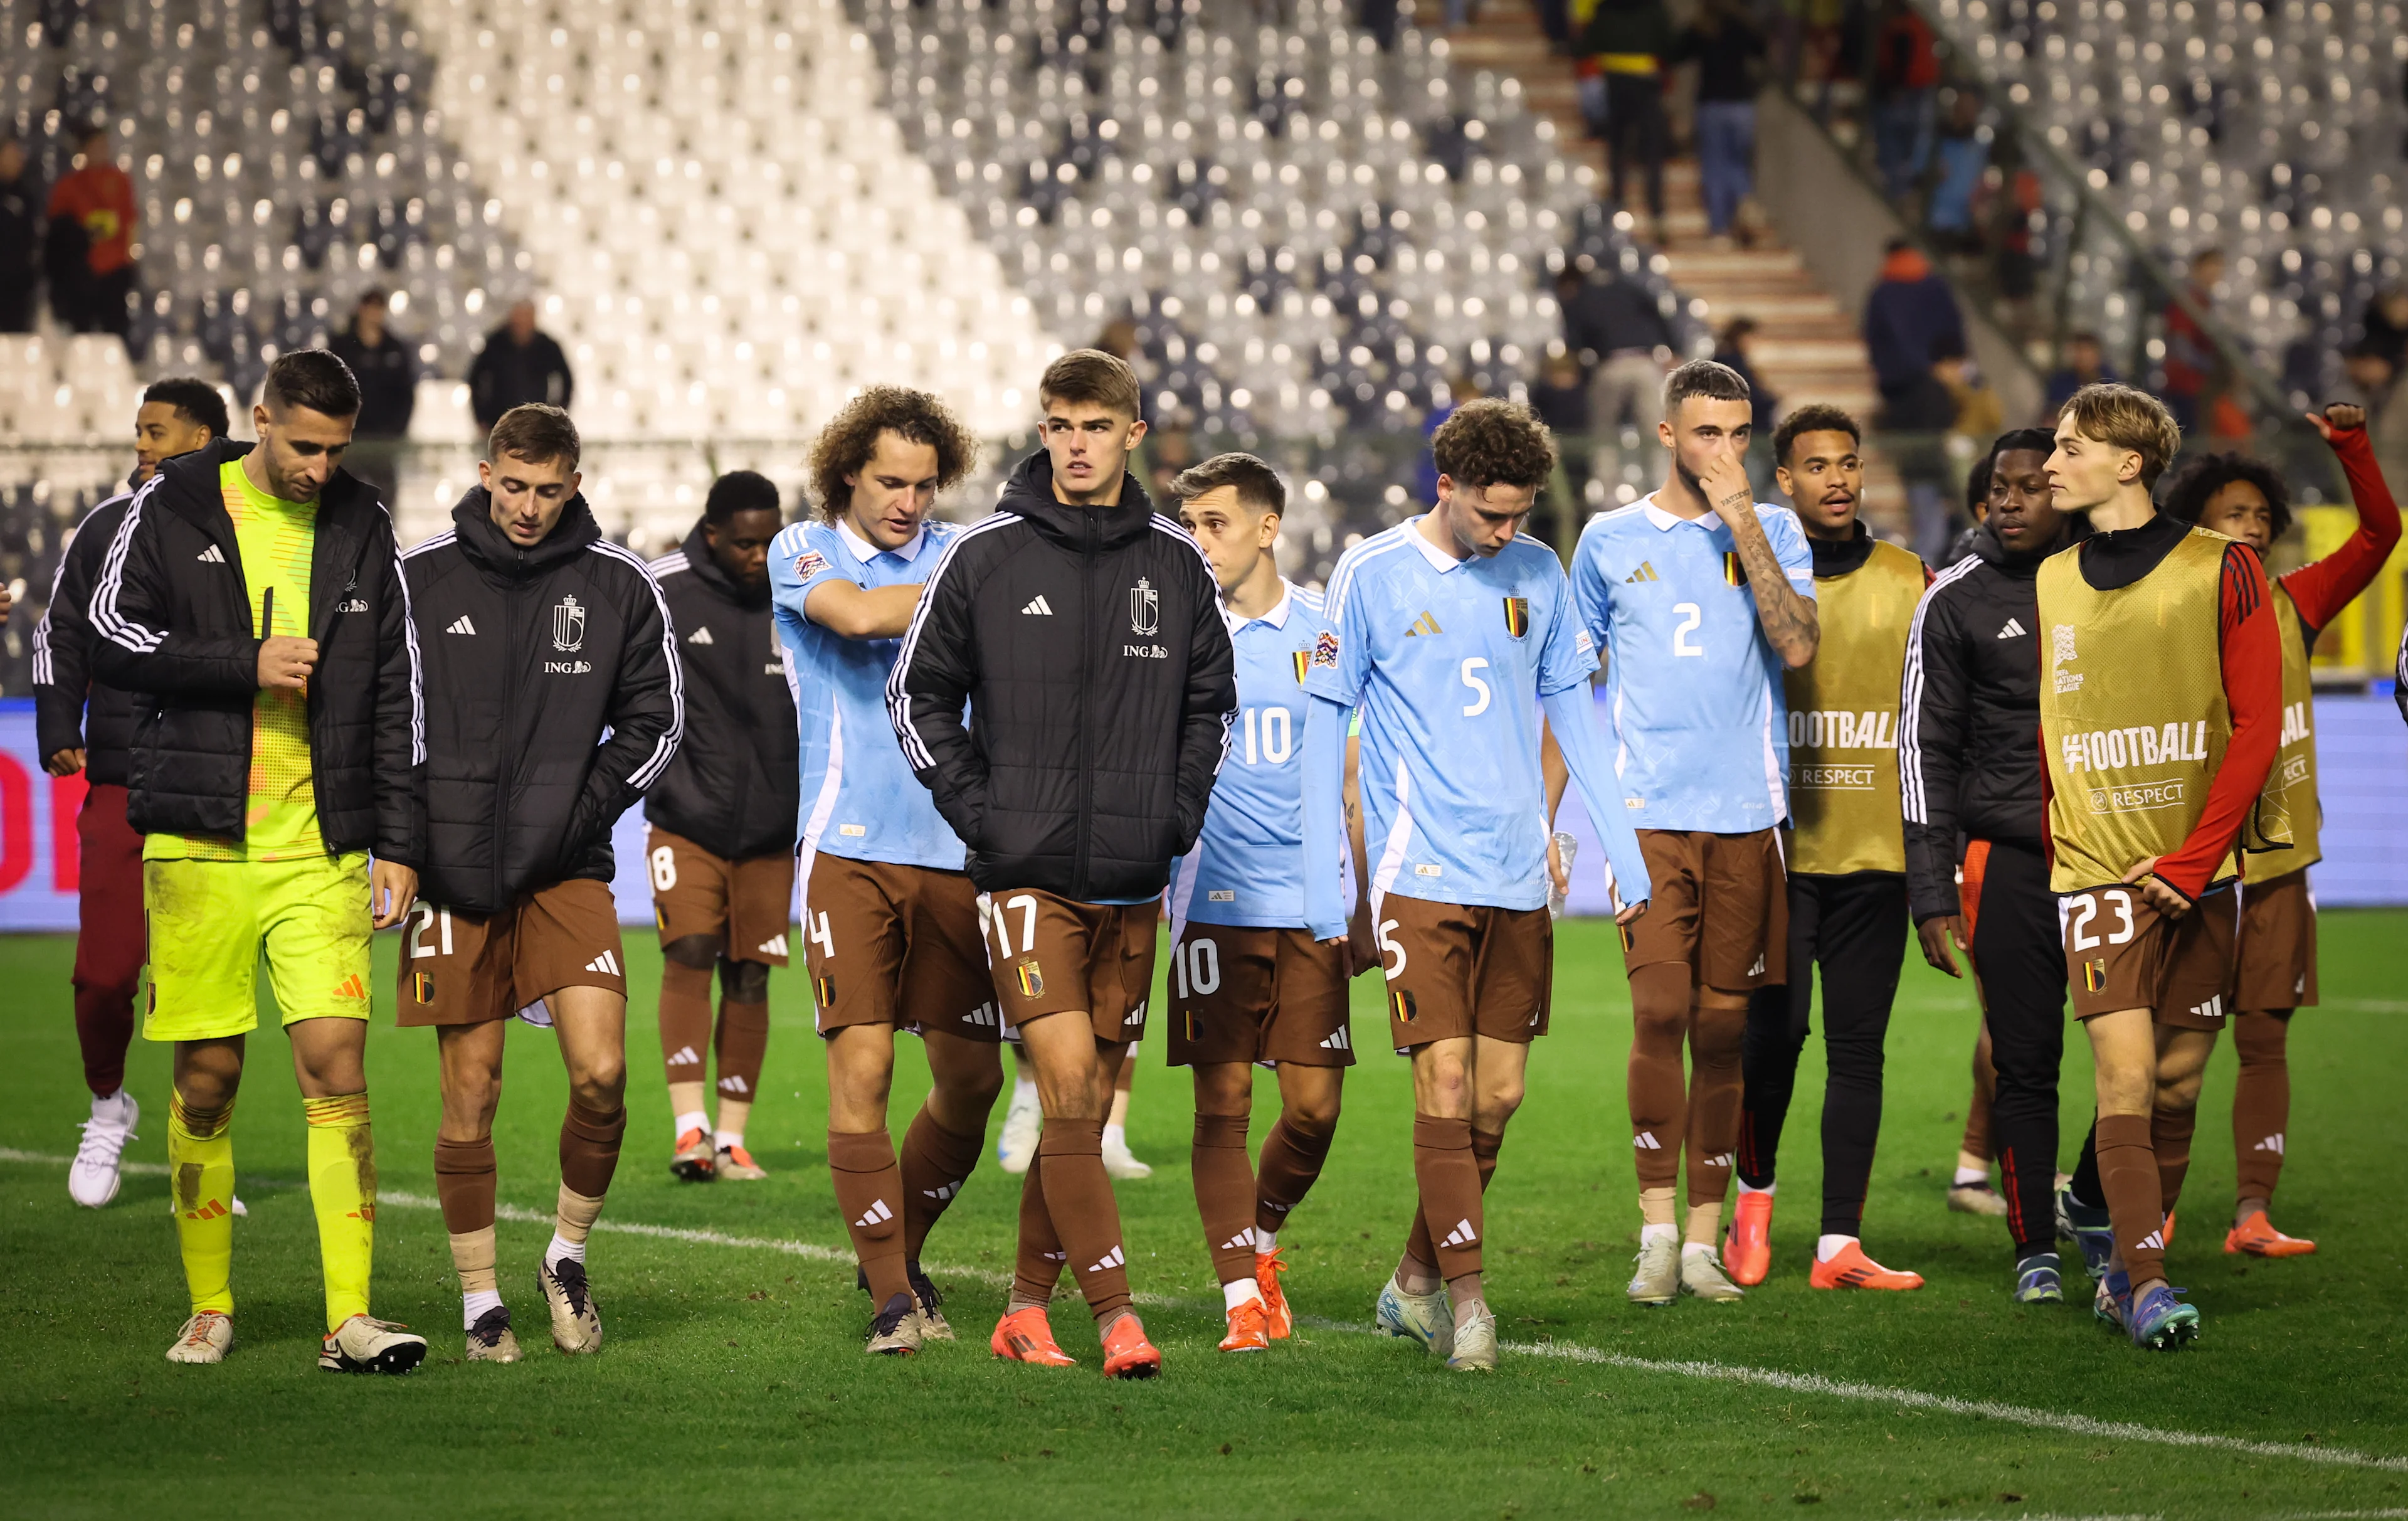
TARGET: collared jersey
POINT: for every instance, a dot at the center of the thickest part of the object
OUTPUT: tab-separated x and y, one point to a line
1247	869
1693	688
1447	660
859	798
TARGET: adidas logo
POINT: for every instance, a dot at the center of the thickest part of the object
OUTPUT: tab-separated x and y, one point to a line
984	1016
1726	1159
775	945
2014	631
1054	1256
211	1210
2153	1242
1339	1040
1424	625
1646	571
1112	1258
940	1195
1462	1235
210	556
460	625
1038	608
2212	1008
2272	1143
685	1056
1756	971
733	1085
700	635
877	1214
353	987
607	964
1645	1142
1243	1238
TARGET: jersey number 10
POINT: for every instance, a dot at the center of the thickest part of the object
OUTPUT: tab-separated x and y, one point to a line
1270	736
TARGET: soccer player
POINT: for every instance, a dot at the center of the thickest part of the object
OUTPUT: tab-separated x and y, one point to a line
1969	771
1249	983
2160	711
1084	633
253	593
1846	858
554	697
2241	498
1701	598
1452	633
891	921
86	726
721	847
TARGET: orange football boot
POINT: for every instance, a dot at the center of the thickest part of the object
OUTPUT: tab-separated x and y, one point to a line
2258	1238
1025	1337
1249	1328
2166	1232
1126	1352
1747	1250
1279	1324
1851	1268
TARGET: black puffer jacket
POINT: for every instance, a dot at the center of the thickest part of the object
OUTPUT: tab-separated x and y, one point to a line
1968	717
531	656
173	618
1089	645
734	788
71	711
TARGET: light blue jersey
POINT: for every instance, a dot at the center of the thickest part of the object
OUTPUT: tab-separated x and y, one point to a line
860	800
1247	869
1693	691
1448	659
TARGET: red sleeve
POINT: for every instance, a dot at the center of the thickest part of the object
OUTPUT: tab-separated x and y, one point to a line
2321	590
2251	646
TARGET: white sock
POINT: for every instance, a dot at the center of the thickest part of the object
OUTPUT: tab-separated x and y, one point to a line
1266	1242
1695	1249
1828	1247
1746	1187
693	1119
473	1307
1234	1294
1116	1135
1650	1235
1971	1175
1023	1093
728	1139
560	1250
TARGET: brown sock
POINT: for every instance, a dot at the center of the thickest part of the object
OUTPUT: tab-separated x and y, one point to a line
1285	1174
1712	1137
1037	1265
743	1040
2128	1174
589	1148
1977	1108
1449	1179
1224	1194
1659	1099
685	1020
936	1163
463	1181
869	1196
1485	1147
1079	1197
2262	1105
2169	1134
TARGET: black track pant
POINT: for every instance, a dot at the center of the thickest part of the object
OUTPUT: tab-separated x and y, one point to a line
2019	954
1855	927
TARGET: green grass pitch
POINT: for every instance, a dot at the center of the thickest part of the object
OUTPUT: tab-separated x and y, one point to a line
733	1382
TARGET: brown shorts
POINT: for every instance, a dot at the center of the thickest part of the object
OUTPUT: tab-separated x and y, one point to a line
2122	953
1053	955
1456	970
472	968
1257	996
896	945
2278	945
1720	904
744	905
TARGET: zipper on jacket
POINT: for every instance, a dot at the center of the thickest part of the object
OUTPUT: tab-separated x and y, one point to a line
510	601
1079	886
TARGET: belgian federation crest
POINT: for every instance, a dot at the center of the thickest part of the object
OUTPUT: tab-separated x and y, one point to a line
569	626
1517	616
1734	572
1145	608
1303	660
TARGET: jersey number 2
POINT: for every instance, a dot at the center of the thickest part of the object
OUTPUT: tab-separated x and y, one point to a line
1692	615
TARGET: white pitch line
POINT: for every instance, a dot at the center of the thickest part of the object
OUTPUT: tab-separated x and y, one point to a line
1810	1384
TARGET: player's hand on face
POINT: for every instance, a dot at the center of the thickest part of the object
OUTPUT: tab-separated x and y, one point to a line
286	662
64	762
392	888
1727	486
1939	935
2338	418
1631	912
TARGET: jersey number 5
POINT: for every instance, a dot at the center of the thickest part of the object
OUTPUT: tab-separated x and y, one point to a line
1478	705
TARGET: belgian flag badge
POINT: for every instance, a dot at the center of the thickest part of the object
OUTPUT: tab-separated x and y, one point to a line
2094	975
1517	616
422	986
1734	573
1032	980
825	985
1400	1006
1303	659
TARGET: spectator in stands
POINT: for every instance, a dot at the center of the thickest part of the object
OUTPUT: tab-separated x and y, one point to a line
1629	39
1561	400
2371	379
98	197
1906	79
387	370
1974	408
20	237
1910	316
1964	154
2386	325
1621	339
518	364
2191	359
1729	52
176	417
2086	363
1735	348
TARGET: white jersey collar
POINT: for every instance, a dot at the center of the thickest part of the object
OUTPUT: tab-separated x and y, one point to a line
863	551
1666	522
1439	560
1277	617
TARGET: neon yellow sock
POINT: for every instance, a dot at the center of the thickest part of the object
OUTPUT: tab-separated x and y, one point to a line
201	1158
342	1190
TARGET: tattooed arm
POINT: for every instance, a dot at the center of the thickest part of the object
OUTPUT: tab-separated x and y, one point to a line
1790	625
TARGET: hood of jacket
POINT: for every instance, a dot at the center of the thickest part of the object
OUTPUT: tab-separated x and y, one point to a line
704	566
491	550
1029	494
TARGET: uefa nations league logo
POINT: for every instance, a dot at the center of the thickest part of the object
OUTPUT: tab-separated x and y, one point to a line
569	626
1145	608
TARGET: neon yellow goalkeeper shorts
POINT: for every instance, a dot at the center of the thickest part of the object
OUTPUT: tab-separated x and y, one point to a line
212	921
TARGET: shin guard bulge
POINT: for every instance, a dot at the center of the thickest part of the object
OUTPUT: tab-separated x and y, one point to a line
743	1043
343	1195
2261	1103
1079	1197
685	1026
1659	1098
1711	1137
2128	1174
1037	1255
1225	1195
870	1194
2169	1137
1448	1177
1291	1160
936	1164
200	1157
1486	1145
